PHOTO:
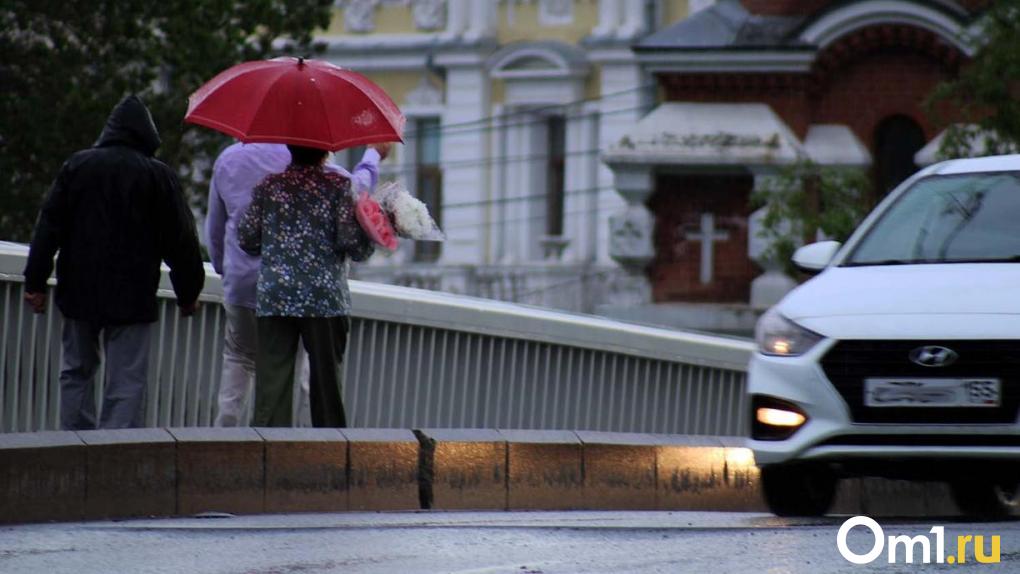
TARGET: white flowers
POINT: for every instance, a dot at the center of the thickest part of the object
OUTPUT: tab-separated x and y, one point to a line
411	218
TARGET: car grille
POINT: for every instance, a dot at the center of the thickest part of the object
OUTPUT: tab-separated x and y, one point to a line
850	362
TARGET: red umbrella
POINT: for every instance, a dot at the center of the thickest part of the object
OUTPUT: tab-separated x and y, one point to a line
296	101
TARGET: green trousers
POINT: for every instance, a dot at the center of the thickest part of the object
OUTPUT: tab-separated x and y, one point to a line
325	340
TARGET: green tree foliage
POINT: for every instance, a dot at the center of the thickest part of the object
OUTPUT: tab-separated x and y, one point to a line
985	97
805	198
64	64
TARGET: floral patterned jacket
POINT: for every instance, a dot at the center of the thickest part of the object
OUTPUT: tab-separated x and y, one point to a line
302	223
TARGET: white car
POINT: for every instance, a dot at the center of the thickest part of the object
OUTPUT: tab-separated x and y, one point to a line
901	358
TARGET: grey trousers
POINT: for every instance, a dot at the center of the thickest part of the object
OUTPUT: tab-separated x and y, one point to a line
127	371
237	379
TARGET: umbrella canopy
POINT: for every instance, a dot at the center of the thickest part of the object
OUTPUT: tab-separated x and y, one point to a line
296	101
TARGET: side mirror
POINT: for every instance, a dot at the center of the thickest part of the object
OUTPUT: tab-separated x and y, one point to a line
816	256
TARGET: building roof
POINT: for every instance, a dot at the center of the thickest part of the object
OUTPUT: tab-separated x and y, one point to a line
728	25
725	24
835	145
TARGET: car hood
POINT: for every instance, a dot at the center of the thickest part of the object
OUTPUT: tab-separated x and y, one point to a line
962	300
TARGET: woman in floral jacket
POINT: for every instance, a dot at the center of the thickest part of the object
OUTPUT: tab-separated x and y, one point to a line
303	225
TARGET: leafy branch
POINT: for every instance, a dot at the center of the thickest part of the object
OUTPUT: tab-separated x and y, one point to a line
64	64
804	199
984	99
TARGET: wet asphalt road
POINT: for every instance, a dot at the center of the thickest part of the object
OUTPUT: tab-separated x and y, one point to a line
475	543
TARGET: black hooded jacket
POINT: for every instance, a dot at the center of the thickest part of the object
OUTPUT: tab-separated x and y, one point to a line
113	213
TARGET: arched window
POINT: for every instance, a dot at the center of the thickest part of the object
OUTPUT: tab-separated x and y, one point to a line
897	139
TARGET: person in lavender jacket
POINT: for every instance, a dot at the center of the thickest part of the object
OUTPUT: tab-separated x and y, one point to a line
237	171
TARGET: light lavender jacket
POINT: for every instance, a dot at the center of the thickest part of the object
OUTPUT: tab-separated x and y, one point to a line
235	174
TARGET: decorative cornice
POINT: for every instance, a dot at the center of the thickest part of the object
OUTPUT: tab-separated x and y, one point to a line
760	61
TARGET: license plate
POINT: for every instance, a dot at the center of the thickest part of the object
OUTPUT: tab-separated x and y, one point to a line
932	393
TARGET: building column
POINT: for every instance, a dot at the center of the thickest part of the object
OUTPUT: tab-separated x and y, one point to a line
456	18
499	184
481	20
609	18
464	149
619	109
633	19
630	234
514	220
580	203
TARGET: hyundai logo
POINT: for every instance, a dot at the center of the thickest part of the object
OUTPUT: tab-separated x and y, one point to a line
933	356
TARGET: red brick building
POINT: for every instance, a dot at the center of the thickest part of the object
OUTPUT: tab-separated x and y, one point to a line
840	82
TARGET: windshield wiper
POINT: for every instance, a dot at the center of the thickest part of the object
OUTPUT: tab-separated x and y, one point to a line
888	262
885	262
1009	259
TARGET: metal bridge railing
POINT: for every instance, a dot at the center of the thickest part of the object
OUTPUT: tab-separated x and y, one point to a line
417	359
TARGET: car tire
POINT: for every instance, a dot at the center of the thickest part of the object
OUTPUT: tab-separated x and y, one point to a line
986	499
798	490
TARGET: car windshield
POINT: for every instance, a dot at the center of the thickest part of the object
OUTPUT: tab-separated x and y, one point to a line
947	219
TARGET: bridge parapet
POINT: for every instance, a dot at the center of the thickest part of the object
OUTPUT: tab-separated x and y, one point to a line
417	359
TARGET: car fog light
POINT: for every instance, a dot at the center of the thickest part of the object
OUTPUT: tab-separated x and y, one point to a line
773	418
780	417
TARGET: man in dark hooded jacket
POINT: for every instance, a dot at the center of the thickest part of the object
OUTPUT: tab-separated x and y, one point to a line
113	213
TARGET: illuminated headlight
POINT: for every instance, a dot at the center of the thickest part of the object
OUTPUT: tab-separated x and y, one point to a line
778	336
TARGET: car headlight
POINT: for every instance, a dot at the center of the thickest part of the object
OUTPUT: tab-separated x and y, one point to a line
780	337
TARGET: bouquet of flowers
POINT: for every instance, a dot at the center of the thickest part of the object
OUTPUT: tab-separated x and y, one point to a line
375	223
410	217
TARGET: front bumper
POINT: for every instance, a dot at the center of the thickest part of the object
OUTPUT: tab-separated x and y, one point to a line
831	435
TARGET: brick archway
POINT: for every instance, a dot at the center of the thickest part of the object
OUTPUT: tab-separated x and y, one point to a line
885	39
878	73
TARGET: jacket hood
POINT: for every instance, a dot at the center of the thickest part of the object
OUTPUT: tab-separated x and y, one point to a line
130	124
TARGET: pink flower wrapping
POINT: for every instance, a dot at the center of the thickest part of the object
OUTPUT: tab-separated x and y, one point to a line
375	223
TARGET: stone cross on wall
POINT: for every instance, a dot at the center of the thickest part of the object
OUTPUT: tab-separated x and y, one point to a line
708	235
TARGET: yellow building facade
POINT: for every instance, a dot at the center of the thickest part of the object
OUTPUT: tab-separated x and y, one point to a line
509	105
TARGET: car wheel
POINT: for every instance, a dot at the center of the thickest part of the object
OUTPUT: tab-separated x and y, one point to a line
798	489
987	499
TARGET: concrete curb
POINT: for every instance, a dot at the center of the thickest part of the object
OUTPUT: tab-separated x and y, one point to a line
130	472
68	476
383	466
468	469
545	470
42	477
306	470
220	470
